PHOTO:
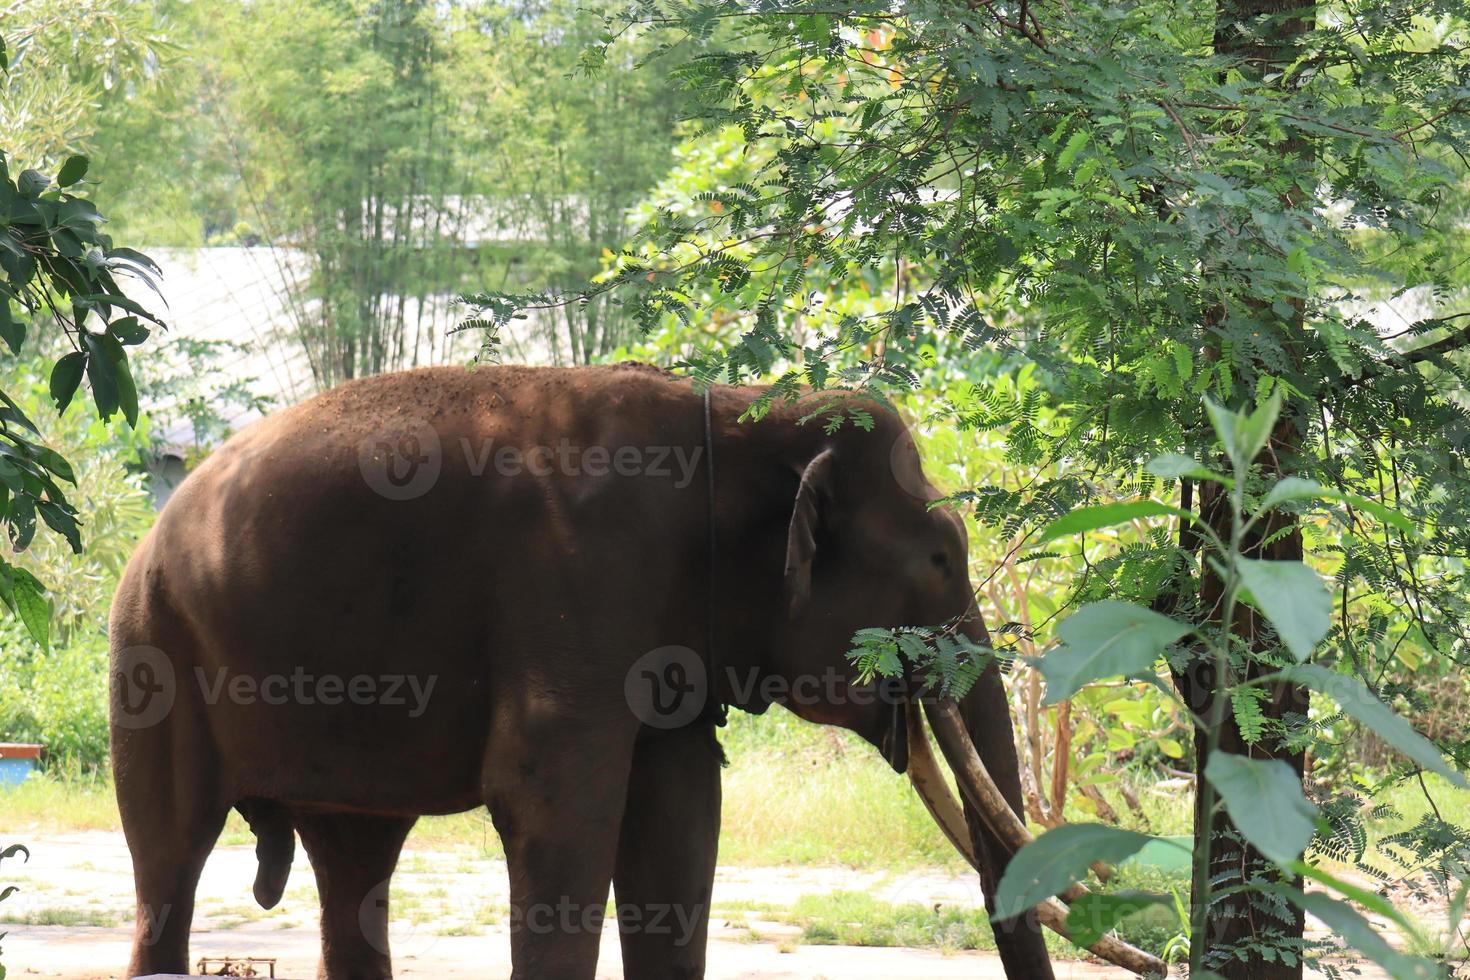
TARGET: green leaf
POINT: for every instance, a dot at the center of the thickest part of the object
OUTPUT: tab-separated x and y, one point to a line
112	382
1106	639
1059	858
13	331
135	257
1075	145
113	299
1244	434
32	182
1296	488
32	606
54	462
22	522
1293	488
1105	515
1265	801
1353	696
1350	924
66	377
73	170
1371	901
63	522
1172	466
128	330
1293	598
1095	914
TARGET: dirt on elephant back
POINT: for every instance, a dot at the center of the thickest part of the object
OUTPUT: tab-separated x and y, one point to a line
72	919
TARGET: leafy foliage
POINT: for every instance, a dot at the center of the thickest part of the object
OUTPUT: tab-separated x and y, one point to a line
1057	859
1266	802
1147	204
61	64
9	890
1263	797
57	262
1104	639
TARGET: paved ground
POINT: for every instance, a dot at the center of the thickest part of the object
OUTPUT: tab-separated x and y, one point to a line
448	919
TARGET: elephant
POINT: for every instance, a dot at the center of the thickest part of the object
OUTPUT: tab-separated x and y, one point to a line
571	573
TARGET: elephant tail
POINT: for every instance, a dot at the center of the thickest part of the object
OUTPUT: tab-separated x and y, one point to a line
275	846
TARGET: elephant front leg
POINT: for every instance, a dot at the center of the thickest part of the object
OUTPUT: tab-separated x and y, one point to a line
353	856
555	792
666	852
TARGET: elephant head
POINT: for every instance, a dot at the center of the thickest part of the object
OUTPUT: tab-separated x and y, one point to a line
867	546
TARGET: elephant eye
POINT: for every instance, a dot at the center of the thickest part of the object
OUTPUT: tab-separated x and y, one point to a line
941	562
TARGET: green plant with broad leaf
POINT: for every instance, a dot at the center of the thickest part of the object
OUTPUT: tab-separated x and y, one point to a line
1263	797
57	266
9	890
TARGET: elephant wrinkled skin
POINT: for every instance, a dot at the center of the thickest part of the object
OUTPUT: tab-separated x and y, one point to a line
425	592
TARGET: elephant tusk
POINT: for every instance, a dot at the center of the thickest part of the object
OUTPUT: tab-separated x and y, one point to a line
933	789
974	779
985	796
929	783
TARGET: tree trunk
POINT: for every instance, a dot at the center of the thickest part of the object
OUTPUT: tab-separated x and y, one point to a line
1239	922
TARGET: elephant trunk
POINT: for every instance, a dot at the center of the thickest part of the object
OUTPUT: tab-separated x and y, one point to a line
989	821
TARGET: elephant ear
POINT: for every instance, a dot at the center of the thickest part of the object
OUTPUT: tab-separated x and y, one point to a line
801	539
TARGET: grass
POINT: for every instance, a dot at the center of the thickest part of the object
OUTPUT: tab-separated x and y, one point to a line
846	918
849	918
795	793
59	916
46	804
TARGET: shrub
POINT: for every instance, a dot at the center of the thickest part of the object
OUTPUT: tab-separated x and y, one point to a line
57	698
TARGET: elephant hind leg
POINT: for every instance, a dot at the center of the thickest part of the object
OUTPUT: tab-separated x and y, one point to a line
353	856
171	817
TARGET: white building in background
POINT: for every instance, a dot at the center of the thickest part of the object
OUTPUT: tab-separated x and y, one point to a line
243	295
239	295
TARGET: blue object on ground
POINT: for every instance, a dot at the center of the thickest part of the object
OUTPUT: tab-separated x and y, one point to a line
17	761
14	771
